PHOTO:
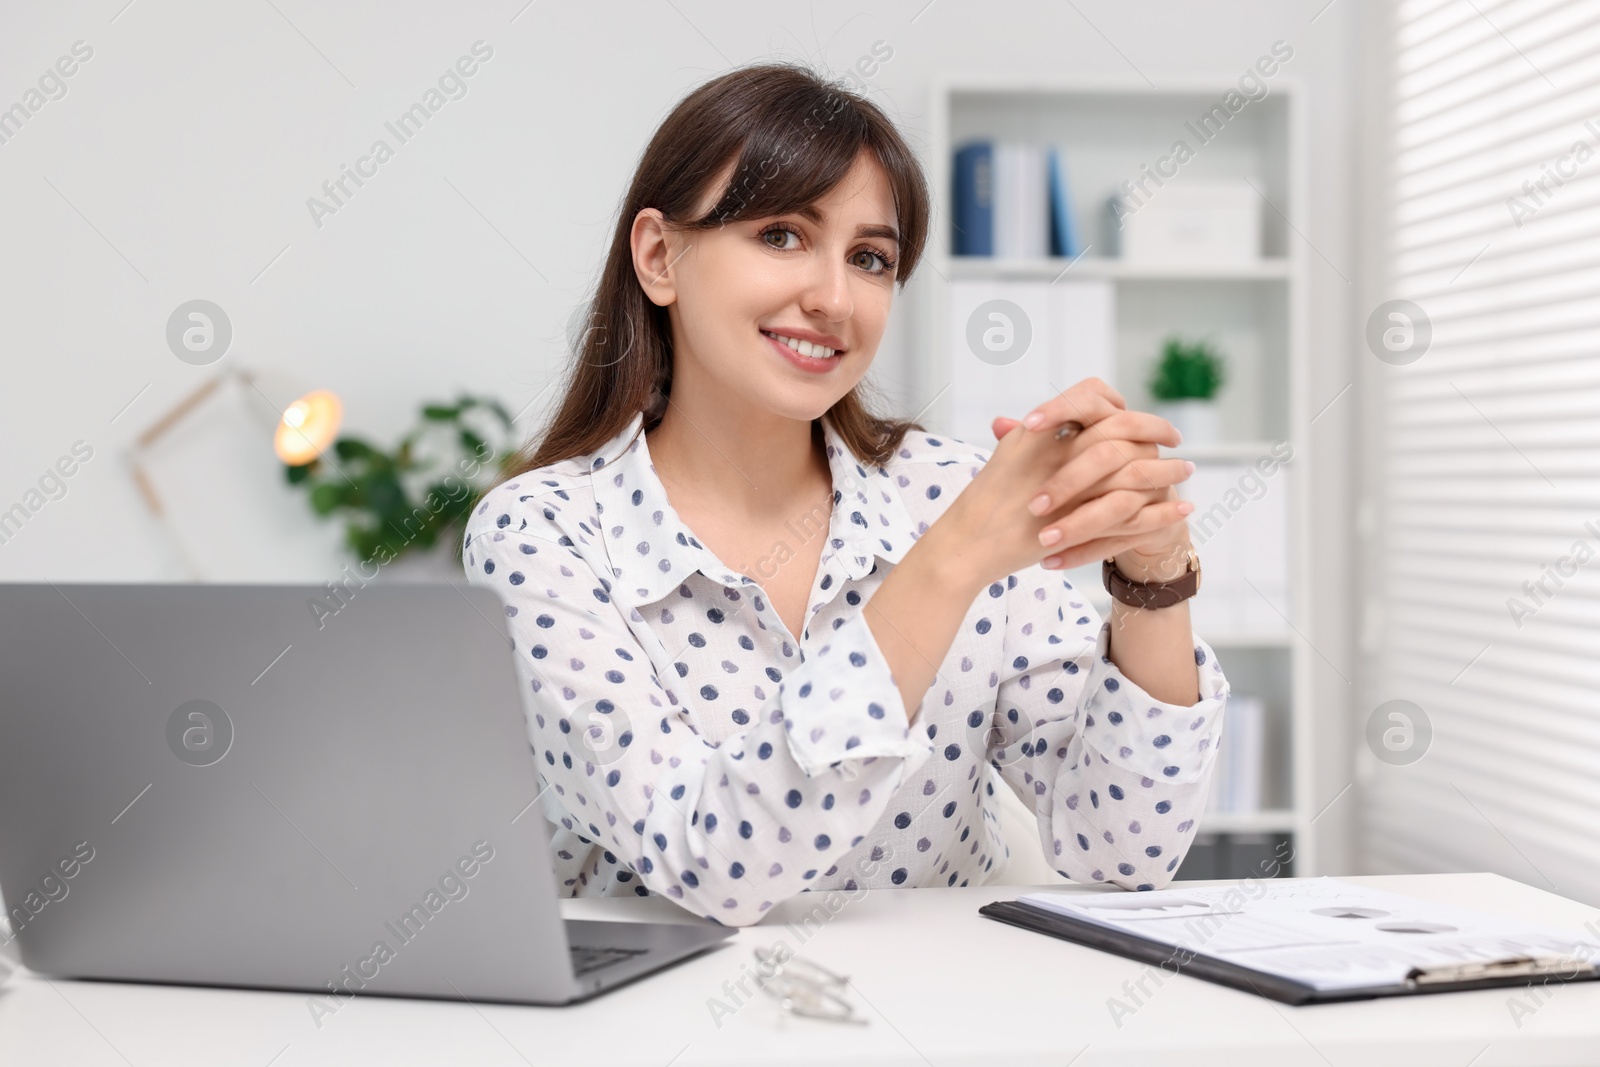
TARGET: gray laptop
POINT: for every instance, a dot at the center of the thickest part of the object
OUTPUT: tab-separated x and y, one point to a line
267	786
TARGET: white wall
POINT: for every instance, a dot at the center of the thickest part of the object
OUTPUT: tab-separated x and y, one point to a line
193	137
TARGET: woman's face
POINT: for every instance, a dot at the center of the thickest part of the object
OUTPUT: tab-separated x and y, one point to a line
743	296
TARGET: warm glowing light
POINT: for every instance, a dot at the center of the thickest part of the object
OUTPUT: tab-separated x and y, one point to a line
309	425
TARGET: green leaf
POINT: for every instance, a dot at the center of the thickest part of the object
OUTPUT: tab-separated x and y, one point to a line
381	516
1186	370
363	541
349	448
327	497
384	494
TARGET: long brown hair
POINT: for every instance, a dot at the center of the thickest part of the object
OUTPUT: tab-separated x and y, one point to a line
796	137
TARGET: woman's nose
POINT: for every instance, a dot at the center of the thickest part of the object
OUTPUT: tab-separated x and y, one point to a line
828	292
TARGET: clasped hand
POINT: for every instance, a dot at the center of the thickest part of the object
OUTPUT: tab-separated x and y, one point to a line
1103	491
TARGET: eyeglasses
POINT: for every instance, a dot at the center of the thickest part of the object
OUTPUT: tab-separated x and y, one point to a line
805	988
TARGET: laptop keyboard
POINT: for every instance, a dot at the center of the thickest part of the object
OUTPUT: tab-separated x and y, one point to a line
586	958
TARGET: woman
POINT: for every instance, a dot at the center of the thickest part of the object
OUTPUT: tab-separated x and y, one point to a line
776	643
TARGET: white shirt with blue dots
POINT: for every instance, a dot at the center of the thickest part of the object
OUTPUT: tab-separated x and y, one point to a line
691	746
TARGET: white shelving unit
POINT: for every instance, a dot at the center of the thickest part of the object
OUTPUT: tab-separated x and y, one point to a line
1256	312
1056	268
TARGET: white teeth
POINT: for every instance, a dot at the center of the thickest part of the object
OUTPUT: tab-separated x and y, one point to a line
805	348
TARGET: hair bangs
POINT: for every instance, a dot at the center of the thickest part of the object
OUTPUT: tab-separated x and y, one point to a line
786	163
785	166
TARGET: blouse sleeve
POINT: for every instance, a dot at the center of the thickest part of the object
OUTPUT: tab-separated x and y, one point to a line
1115	777
728	829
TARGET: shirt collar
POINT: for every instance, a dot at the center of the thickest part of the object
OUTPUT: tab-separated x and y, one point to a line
652	550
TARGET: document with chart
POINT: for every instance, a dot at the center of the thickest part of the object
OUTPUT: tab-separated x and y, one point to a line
1309	939
1330	934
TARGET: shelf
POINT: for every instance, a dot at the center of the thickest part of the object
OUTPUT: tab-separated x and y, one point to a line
1245	822
1059	267
1098	90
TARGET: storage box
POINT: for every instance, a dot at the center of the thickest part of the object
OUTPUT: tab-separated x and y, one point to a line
1190	223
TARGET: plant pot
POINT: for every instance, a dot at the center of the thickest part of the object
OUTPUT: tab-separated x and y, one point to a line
1196	420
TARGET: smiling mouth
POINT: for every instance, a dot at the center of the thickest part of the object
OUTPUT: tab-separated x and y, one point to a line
805	348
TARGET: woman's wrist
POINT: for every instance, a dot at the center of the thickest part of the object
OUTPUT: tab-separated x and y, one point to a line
949	559
1166	564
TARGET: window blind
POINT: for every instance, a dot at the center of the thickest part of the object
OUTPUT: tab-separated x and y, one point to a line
1484	479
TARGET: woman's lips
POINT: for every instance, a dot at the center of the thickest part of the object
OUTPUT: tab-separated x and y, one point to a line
806	363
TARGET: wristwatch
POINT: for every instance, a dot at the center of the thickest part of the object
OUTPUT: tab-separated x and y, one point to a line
1152	594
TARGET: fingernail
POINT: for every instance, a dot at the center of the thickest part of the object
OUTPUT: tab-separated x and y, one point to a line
1049	537
1040	504
1033	420
1188	466
1184	507
1051	562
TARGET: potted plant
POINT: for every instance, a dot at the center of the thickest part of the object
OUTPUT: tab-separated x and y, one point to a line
400	505
1184	384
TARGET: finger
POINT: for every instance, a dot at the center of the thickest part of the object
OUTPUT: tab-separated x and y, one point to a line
1002	426
1164	520
1089	552
1087	402
1151	476
1134	426
1152	518
1121	512
1103	516
1092	467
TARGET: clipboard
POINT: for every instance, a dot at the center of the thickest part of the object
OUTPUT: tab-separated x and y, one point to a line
1486	974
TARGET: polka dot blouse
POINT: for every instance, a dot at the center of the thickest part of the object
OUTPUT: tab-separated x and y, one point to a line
690	745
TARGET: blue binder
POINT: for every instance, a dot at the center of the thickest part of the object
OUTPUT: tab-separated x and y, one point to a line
973	200
1063	235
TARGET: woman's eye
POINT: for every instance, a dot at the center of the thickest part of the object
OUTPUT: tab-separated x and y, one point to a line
782	235
872	261
778	238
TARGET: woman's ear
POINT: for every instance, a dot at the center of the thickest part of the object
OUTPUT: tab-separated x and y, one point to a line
655	249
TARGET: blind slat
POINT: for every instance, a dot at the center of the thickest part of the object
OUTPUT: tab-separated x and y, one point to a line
1484	607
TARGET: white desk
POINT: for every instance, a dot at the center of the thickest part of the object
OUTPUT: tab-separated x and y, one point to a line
939	983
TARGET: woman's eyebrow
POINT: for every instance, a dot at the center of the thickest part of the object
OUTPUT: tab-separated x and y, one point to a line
811	212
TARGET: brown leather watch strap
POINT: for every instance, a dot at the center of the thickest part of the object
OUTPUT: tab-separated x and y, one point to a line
1151	594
